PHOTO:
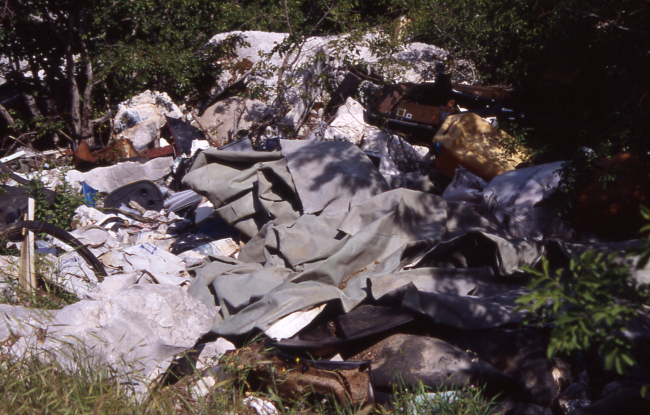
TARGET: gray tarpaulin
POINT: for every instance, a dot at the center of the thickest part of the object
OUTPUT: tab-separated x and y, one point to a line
323	226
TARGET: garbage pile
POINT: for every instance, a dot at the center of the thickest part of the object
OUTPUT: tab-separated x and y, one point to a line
363	258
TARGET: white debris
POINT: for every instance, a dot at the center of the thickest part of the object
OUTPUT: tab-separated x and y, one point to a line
192	259
261	406
107	179
222	247
71	272
138	330
160	265
212	352
141	118
203	386
293	323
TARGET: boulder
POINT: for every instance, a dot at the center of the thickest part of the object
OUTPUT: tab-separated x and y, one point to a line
225	119
292	82
408	359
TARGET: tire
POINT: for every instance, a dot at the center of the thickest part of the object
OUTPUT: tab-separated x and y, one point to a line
14	231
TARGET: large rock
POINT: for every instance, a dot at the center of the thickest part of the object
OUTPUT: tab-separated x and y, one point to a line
137	330
408	359
520	354
292	82
228	117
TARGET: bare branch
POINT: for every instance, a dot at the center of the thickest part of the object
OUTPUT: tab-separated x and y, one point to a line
286	14
4	114
6	11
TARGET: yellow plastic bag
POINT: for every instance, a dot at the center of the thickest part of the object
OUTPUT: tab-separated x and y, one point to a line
470	141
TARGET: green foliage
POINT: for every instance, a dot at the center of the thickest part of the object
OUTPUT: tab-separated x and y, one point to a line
41	126
115	49
419	399
30	386
62	211
589	305
579	68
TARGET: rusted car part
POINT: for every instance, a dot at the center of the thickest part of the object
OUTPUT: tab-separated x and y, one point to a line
152	153
484	95
425	106
294	378
143	192
118	151
14	232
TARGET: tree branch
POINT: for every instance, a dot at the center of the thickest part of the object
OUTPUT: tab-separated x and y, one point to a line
6	116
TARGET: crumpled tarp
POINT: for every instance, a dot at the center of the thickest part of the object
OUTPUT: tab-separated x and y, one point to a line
324	226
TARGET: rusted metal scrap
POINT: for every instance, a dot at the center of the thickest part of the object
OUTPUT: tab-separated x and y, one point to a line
427	105
295	378
117	151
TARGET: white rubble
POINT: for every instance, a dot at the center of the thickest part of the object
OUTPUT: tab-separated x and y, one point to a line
192	258
203	386
289	325
161	266
349	125
221	247
261	406
140	118
107	179
137	330
70	272
212	352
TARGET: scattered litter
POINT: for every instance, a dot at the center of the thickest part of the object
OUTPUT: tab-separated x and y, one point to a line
335	247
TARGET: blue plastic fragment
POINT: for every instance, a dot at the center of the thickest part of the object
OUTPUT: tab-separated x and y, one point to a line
89	194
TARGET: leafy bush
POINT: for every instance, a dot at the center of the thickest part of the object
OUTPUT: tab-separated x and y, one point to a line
579	68
66	202
588	305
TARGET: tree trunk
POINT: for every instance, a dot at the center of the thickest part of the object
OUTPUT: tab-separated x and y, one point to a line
86	124
75	107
